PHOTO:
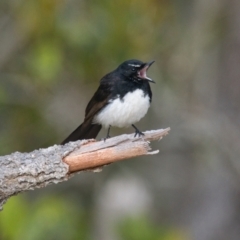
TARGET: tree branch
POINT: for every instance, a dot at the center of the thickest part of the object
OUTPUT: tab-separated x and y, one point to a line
26	171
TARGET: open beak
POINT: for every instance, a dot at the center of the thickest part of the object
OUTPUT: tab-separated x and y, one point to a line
142	73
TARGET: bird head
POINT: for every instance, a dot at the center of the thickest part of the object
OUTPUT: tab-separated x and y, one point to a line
136	70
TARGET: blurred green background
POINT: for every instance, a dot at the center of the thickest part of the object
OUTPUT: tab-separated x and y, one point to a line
52	56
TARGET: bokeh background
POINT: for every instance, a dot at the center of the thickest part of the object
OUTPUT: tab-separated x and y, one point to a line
52	56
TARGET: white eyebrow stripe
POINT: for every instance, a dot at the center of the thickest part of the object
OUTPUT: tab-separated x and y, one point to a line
134	65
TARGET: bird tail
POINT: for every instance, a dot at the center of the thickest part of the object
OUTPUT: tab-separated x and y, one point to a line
86	130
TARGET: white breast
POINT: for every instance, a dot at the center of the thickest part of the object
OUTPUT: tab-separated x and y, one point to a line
123	113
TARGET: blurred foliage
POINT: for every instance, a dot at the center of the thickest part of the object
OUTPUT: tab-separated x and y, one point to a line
48	216
142	229
52	56
59	218
69	42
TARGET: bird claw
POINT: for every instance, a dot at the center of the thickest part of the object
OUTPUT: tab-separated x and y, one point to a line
138	133
104	139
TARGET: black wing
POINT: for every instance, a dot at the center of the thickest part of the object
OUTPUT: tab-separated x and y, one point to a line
88	129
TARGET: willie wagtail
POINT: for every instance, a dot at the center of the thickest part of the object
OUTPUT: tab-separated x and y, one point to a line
122	99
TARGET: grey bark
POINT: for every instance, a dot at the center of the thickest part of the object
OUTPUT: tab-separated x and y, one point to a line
26	171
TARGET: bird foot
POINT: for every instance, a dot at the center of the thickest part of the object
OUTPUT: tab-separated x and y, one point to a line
137	132
104	139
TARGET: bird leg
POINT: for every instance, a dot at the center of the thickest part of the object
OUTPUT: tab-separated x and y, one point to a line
108	131
137	132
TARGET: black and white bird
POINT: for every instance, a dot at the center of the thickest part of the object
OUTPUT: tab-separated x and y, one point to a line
122	99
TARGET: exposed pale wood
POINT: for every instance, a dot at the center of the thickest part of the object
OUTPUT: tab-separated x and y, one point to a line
27	171
96	154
